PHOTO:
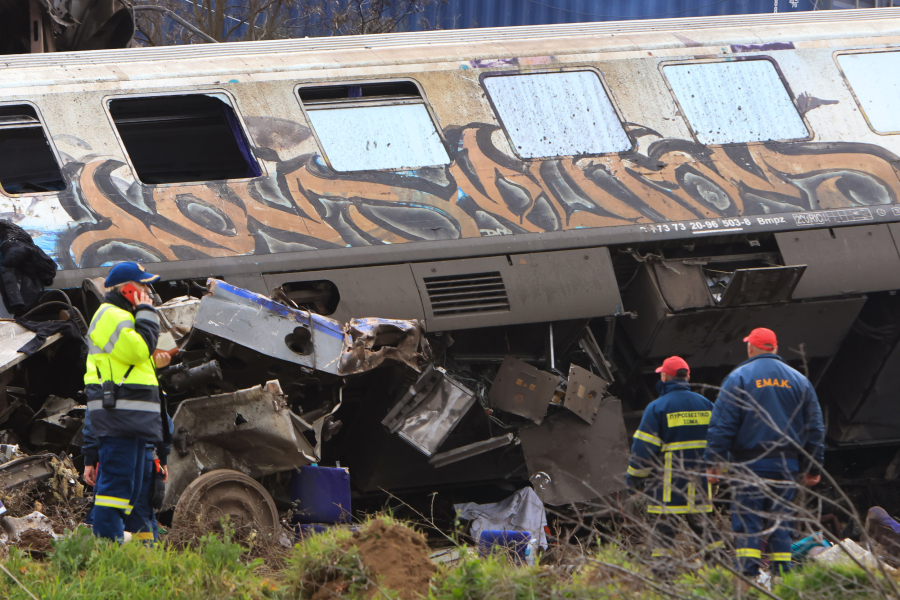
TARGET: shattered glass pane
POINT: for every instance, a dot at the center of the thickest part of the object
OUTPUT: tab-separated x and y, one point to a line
557	114
366	138
735	102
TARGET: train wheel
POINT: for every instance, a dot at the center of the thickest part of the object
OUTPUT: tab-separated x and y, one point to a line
226	493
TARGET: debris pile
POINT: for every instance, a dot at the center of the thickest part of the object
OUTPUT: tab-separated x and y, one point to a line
259	387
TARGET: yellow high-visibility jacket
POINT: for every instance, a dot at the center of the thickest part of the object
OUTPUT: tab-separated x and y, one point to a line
120	349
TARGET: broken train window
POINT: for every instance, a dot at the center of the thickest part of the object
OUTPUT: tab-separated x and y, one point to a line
183	138
557	114
27	162
369	126
735	102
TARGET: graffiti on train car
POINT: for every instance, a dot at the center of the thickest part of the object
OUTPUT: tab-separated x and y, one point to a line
305	205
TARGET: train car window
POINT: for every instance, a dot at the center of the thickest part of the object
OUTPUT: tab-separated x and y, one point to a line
183	139
27	162
875	81
557	114
373	126
735	102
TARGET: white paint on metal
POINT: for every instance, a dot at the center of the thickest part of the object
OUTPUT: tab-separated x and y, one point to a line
875	79
735	102
785	23
557	114
366	138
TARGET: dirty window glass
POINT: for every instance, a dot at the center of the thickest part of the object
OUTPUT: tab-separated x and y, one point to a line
557	114
27	163
735	102
182	139
875	79
374	126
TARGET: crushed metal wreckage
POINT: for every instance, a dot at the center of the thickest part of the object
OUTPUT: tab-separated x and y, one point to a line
259	388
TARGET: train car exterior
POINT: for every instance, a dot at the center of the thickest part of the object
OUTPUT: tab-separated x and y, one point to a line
669	184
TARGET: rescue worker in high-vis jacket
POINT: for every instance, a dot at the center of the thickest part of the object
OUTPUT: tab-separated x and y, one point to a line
122	394
767	418
666	460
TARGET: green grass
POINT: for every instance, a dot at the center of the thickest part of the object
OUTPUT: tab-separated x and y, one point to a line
83	567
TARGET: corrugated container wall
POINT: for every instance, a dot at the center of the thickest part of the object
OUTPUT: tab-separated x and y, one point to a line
461	14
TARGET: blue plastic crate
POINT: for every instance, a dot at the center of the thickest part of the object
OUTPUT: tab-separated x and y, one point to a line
320	495
516	542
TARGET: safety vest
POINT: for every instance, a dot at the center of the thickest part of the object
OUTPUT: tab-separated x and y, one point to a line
118	353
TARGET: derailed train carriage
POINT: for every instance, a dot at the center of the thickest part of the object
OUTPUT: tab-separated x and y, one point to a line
559	207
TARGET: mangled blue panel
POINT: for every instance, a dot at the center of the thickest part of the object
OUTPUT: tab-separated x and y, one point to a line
270	328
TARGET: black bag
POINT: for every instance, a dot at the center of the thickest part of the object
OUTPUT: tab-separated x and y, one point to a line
158	487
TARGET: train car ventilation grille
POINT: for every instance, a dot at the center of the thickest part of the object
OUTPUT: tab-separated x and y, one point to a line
467	294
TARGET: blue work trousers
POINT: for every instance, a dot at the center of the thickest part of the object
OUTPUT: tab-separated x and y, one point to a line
141	523
118	488
756	508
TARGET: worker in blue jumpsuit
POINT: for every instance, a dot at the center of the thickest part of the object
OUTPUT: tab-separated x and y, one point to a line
766	420
666	462
141	523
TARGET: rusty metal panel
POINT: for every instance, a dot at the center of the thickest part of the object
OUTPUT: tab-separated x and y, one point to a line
378	137
387	291
843	260
570	461
523	390
735	102
875	81
557	114
519	288
252	431
584	393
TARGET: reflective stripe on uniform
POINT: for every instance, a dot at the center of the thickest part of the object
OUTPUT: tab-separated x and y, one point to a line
667	479
749	553
143	535
650	439
780	556
678	510
96	320
113	502
638	472
114	337
687	445
679	419
147	314
139	405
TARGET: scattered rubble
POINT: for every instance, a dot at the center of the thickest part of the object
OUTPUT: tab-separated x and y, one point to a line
839	554
257	386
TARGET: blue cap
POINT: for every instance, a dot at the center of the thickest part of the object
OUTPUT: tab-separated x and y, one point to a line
128	271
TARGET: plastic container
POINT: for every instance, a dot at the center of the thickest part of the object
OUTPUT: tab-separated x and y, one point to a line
321	495
514	542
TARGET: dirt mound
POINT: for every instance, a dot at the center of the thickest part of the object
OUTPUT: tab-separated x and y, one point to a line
396	557
35	539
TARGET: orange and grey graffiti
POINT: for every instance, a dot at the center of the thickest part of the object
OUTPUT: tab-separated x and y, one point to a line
305	205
